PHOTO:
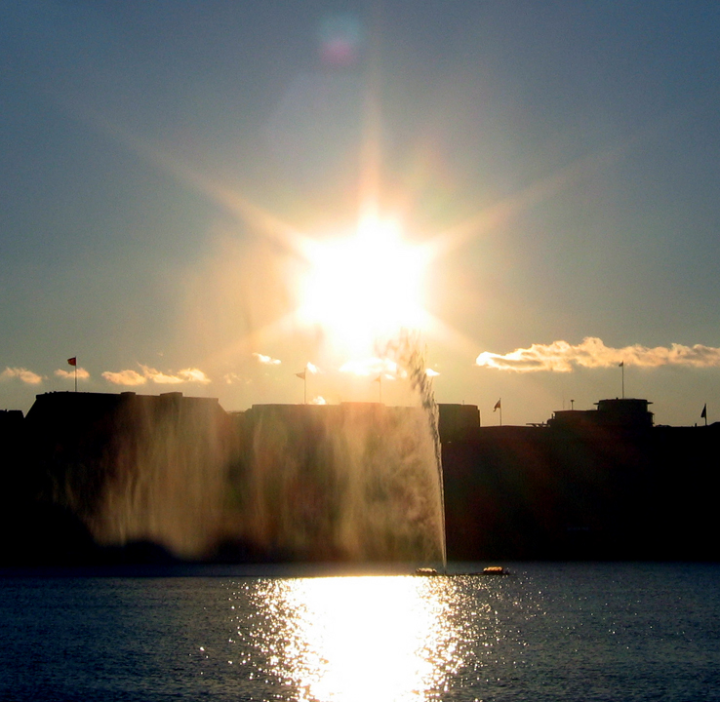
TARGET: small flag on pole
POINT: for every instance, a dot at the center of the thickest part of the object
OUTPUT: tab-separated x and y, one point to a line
73	362
498	406
621	364
703	414
301	375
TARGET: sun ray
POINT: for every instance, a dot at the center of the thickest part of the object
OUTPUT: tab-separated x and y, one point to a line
368	285
491	217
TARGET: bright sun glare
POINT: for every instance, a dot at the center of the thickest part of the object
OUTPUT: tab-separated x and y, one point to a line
363	288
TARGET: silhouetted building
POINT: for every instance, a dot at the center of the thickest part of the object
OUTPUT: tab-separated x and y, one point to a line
618	413
457	422
13	451
595	484
129	468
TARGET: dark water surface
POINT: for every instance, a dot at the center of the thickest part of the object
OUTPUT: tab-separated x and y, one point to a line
549	632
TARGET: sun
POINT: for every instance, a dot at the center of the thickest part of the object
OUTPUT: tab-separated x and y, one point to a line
364	287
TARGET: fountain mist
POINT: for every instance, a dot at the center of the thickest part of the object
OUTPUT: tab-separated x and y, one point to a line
351	482
356	481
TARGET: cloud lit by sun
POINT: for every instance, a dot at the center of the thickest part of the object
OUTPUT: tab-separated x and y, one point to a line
363	288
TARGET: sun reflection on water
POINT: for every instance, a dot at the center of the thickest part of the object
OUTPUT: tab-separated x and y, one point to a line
358	638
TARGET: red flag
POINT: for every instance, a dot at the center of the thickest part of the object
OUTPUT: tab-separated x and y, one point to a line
301	375
498	405
72	361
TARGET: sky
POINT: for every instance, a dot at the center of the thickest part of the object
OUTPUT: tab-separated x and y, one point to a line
219	198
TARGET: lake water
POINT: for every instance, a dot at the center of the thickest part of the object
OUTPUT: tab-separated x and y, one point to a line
548	632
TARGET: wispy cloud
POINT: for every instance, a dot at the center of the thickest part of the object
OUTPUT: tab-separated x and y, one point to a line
132	377
592	353
430	373
124	377
193	375
82	374
267	360
159	377
23	374
319	400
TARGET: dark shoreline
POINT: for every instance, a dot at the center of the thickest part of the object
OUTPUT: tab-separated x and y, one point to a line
603	486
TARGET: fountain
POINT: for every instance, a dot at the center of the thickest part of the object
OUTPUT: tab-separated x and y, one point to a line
355	482
350	482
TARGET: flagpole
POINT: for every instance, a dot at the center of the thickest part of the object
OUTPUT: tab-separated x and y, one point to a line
622	369
73	362
303	377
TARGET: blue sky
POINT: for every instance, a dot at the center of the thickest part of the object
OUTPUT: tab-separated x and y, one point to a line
161	165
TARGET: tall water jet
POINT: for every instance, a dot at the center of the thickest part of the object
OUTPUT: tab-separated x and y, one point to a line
406	350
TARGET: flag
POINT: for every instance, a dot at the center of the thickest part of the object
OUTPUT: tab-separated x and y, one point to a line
301	375
498	405
72	361
622	364
378	379
703	414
